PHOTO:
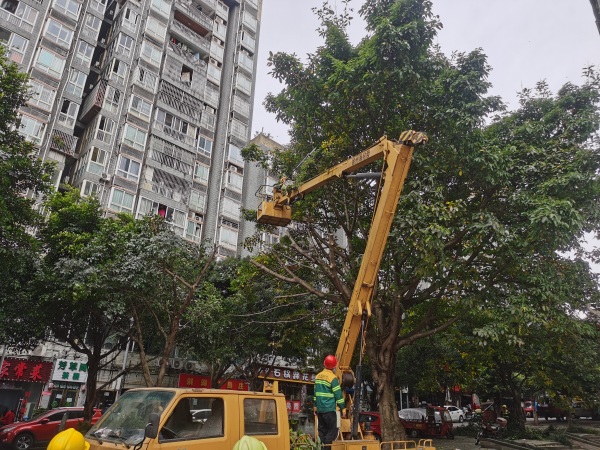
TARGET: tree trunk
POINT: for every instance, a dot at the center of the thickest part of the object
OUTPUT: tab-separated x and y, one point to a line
384	376
516	417
93	365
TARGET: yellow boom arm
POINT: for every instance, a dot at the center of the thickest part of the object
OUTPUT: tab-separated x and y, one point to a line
398	156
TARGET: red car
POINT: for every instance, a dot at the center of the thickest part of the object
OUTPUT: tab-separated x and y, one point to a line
42	428
370	421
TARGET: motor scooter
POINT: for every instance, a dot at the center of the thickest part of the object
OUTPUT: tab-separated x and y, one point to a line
490	425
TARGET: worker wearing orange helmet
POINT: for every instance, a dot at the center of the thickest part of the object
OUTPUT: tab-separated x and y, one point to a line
328	397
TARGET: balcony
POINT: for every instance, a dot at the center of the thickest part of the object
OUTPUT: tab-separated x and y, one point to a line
187	56
192	37
62	142
11	18
198	17
176	134
93	102
165	191
15	56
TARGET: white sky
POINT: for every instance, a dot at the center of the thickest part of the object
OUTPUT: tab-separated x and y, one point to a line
525	41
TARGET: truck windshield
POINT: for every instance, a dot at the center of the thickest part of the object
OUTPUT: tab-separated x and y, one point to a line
128	417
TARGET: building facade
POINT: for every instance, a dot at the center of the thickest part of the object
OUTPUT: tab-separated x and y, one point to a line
144	103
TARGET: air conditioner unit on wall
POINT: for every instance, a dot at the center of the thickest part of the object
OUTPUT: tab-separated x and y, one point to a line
176	363
105	177
190	366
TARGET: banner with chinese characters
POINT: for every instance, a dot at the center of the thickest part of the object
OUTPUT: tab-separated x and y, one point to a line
289	375
25	370
199	381
68	370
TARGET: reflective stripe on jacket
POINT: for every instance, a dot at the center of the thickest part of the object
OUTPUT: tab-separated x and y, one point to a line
328	392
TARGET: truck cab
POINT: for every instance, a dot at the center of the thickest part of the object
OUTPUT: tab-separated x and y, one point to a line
225	417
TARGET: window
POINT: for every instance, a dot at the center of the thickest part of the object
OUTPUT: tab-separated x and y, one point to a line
105	129
130	19
205	145
121	201
92	25
112	99
228	238
172	121
124	44
97	160
68	7
231	208
15	43
128	168
119	71
84	53
140	107
68	113
214	73
201	173
50	63
42	96
162	6
98	5
58	32
246	61
235	154
197	200
186	75
260	416
243	83
145	78
194	231
151	53
195	418
234	180
75	82
156	29
32	129
89	188
134	137
175	217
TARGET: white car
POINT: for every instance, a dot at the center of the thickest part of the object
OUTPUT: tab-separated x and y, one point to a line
456	414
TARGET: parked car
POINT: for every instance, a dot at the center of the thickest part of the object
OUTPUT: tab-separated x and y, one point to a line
456	414
39	430
371	421
581	409
528	408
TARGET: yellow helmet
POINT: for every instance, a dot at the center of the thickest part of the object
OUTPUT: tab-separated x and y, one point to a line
70	439
246	443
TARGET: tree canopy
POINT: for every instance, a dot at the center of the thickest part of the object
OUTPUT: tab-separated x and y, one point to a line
490	207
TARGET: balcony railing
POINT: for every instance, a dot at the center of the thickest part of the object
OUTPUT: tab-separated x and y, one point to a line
188	56
15	56
199	17
180	136
11	18
194	38
63	142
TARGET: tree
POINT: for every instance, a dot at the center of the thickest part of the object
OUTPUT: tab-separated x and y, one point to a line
486	207
77	294
161	275
23	177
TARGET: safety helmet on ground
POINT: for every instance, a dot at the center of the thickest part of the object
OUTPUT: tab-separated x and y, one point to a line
330	362
249	443
70	439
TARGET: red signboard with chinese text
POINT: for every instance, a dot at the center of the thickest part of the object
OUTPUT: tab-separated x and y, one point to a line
199	381
25	370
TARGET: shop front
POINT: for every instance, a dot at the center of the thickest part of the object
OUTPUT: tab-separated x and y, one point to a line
21	384
67	387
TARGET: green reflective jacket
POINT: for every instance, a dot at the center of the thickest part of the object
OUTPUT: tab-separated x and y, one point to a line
328	392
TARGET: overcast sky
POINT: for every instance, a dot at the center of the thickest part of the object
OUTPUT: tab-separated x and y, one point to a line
525	41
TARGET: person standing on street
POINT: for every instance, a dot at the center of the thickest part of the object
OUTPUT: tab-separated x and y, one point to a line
328	397
8	418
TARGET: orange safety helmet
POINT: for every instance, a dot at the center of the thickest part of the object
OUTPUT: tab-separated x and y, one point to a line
330	362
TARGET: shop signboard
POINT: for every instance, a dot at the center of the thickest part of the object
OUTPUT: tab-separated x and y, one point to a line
67	370
287	375
25	370
200	381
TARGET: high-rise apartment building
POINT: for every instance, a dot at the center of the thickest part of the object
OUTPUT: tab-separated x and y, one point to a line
144	103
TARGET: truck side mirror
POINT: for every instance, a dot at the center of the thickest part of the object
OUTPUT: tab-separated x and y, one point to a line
151	430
